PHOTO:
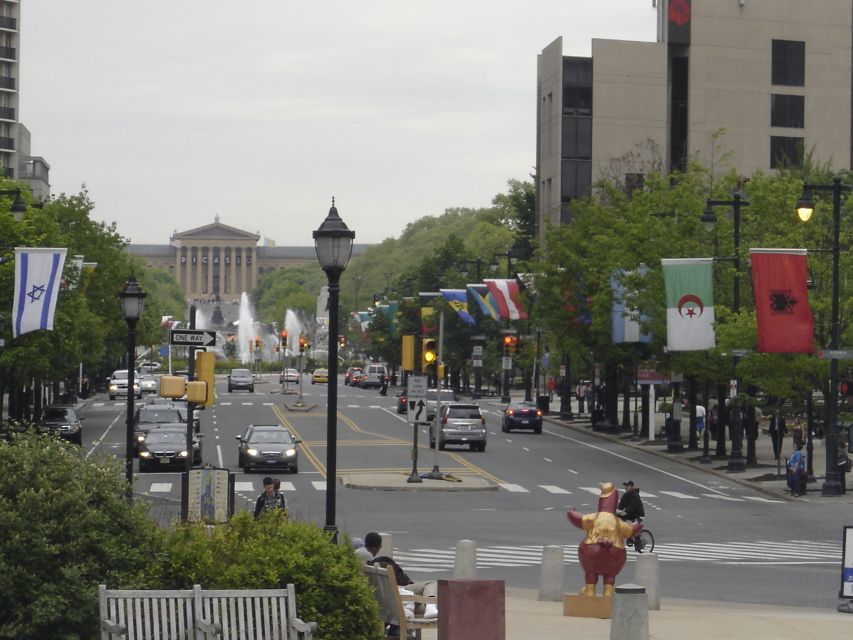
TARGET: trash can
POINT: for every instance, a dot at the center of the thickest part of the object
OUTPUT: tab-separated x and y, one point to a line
597	419
673	435
544	403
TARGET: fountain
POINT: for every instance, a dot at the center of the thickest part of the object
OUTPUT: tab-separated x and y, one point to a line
245	329
294	326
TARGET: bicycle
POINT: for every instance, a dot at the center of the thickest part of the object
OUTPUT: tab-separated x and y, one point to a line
643	542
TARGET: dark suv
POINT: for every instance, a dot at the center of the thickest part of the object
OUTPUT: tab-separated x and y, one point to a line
62	420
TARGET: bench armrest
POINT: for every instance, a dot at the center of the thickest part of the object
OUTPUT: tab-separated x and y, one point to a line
305	628
209	628
113	627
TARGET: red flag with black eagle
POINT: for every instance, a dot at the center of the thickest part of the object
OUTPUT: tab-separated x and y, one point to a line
785	323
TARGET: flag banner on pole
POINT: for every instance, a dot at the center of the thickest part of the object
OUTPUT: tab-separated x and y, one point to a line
507	294
625	328
785	323
428	326
38	275
484	298
458	300
689	303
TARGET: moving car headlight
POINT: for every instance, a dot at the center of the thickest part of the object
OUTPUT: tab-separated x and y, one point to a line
140	438
183	454
144	454
113	387
252	452
290	453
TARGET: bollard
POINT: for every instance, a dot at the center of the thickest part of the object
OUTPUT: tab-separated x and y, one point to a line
630	619
646	574
465	565
551	574
387	548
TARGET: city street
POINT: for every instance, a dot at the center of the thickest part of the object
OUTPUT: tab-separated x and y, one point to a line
717	540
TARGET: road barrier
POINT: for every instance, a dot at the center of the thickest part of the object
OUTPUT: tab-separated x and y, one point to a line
465	565
630	619
646	574
551	574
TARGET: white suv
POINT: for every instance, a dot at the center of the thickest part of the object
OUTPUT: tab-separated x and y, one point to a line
373	376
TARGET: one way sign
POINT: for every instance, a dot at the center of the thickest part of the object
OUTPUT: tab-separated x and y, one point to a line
192	338
417	411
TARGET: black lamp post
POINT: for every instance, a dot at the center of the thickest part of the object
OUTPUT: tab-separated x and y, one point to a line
132	303
19	207
805	208
478	265
736	463
493	266
333	241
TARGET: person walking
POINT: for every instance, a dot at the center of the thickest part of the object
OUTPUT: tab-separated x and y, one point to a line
580	392
777	432
270	499
797	471
844	463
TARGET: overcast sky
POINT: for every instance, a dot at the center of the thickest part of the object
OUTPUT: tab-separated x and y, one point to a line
174	111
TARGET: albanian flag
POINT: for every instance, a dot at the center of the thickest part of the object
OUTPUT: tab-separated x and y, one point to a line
785	323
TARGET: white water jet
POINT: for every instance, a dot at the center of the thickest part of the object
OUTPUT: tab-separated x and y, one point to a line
245	330
294	327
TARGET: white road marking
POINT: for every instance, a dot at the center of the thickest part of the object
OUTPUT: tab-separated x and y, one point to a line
515	488
319	485
218	453
160	487
224	404
550	488
678	494
714	495
244	486
761	499
248	404
547	459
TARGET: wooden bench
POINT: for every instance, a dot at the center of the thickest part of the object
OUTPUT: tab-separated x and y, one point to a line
392	603
197	614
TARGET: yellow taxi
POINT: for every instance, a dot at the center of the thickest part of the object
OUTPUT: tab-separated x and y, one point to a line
320	376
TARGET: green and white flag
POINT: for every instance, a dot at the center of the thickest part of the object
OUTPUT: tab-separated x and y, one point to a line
689	303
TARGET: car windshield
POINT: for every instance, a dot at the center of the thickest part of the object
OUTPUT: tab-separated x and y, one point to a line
158	415
166	437
58	413
464	412
120	375
280	437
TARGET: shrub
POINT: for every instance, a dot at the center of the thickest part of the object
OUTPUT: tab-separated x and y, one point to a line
270	553
66	527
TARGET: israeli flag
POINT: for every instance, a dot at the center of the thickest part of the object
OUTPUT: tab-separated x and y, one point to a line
38	273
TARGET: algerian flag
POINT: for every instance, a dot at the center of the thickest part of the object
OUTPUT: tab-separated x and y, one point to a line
689	303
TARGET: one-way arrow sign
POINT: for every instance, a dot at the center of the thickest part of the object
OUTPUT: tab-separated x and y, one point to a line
416	409
192	337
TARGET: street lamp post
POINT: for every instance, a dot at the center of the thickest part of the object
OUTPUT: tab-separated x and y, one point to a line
333	241
19	207
478	266
736	462
805	208
132	302
493	266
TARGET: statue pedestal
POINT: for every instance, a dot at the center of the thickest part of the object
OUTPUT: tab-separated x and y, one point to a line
580	606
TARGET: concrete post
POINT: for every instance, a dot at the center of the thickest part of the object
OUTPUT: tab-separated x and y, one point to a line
646	574
551	574
465	566
630	619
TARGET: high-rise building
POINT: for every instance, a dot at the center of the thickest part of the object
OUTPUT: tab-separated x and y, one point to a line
761	81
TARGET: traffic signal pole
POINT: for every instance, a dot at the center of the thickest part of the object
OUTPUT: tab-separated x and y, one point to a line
436	473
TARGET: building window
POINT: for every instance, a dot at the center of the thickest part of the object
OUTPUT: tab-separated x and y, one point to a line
787	111
789	63
577	86
785	152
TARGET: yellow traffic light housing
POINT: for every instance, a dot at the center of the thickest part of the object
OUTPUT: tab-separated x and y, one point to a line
205	371
429	355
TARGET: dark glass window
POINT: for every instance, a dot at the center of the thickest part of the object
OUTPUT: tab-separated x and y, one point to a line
577	137
577	86
787	111
785	152
789	63
576	179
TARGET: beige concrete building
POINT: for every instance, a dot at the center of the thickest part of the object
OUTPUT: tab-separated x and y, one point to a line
773	75
217	262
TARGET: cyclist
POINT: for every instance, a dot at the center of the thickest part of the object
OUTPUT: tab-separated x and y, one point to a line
630	507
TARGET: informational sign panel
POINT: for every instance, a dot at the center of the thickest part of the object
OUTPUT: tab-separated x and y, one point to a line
847	565
208	495
477	356
192	338
647	374
506	363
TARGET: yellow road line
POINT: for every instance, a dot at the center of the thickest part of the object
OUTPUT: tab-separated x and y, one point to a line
306	448
475	469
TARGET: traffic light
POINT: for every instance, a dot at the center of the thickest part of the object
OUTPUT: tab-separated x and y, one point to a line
342	341
284	338
257	343
510	343
303	344
429	355
205	371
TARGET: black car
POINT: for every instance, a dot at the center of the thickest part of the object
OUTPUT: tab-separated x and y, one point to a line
165	447
62	420
149	416
241	379
403	403
522	415
268	447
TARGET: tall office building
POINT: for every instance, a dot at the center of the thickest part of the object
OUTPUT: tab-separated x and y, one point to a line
773	75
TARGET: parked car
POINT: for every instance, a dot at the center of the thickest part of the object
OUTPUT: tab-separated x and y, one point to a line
147	383
350	372
268	446
320	376
290	376
374	375
62	420
118	385
148	416
241	379
522	415
460	424
165	447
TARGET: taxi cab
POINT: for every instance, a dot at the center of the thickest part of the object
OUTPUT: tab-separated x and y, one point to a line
320	376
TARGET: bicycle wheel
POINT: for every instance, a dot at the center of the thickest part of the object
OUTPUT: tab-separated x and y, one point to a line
644	542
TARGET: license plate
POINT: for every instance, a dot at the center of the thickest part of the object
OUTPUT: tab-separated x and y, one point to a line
525	422
164	460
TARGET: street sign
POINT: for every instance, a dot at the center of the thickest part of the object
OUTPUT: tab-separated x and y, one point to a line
192	337
417	410
835	354
416	387
506	363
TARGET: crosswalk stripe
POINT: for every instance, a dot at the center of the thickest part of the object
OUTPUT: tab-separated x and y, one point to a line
678	494
593	490
97	404
247	404
319	485
224	404
722	497
244	486
515	488
160	487
763	499
287	486
550	488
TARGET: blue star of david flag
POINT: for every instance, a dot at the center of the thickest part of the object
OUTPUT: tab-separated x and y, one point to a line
38	276
458	300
